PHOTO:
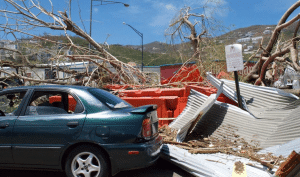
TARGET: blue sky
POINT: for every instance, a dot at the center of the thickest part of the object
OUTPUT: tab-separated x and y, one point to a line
152	17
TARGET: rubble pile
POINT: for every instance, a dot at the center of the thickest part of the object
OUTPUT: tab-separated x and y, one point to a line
226	141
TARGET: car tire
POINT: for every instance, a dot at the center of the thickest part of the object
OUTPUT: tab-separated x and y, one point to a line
90	162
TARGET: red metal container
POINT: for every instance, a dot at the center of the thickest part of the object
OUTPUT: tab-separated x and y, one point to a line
166	105
170	102
72	101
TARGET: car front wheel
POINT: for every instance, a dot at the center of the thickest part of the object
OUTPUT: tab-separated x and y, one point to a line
86	161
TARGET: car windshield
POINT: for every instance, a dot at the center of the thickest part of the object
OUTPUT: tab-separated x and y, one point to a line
109	99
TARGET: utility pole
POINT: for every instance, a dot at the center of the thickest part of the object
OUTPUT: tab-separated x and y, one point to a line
141	35
103	2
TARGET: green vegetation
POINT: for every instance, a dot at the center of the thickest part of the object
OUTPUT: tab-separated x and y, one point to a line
165	54
126	55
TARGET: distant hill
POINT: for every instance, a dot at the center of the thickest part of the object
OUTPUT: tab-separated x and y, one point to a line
134	54
153	47
158	53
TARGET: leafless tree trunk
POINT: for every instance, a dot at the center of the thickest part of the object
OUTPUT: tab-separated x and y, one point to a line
198	27
281	53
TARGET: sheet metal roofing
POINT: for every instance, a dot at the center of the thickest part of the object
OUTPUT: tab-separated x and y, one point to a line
256	99
214	165
274	126
271	121
284	149
185	120
262	97
274	117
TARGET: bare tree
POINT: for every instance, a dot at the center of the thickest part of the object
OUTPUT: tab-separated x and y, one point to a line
277	51
24	16
199	26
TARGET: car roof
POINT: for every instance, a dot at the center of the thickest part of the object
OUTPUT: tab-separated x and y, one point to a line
49	87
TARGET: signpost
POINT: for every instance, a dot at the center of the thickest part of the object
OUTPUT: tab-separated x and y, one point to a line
234	61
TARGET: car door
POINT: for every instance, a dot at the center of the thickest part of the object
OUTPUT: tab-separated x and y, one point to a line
10	106
49	122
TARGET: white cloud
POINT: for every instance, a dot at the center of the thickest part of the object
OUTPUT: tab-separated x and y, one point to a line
134	9
164	13
159	13
170	7
218	8
166	10
198	3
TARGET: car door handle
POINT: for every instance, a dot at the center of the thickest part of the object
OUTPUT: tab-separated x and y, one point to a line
72	124
4	125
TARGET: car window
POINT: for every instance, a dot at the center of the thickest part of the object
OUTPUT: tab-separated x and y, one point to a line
108	98
47	103
10	102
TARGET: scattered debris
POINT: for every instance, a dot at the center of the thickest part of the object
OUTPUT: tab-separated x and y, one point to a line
211	165
231	143
239	167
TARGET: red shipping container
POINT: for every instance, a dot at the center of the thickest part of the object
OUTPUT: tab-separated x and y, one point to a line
72	101
165	106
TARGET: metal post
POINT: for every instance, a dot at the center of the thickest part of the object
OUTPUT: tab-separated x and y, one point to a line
70	1
236	77
142	52
142	36
91	16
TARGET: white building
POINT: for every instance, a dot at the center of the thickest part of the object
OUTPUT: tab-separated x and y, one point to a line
267	32
9	45
249	48
249	34
257	38
246	39
41	73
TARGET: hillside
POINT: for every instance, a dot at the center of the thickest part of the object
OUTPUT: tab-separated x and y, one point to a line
153	47
158	53
128	54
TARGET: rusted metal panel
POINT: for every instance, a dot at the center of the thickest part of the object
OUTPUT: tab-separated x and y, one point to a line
290	167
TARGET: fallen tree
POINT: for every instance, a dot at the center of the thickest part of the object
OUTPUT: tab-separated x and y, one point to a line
23	17
277	52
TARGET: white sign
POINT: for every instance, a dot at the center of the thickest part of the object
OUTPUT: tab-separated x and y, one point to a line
234	57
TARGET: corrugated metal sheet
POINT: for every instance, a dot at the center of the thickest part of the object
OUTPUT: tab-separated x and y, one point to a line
257	99
263	97
284	149
229	92
214	165
193	108
273	121
277	112
275	126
